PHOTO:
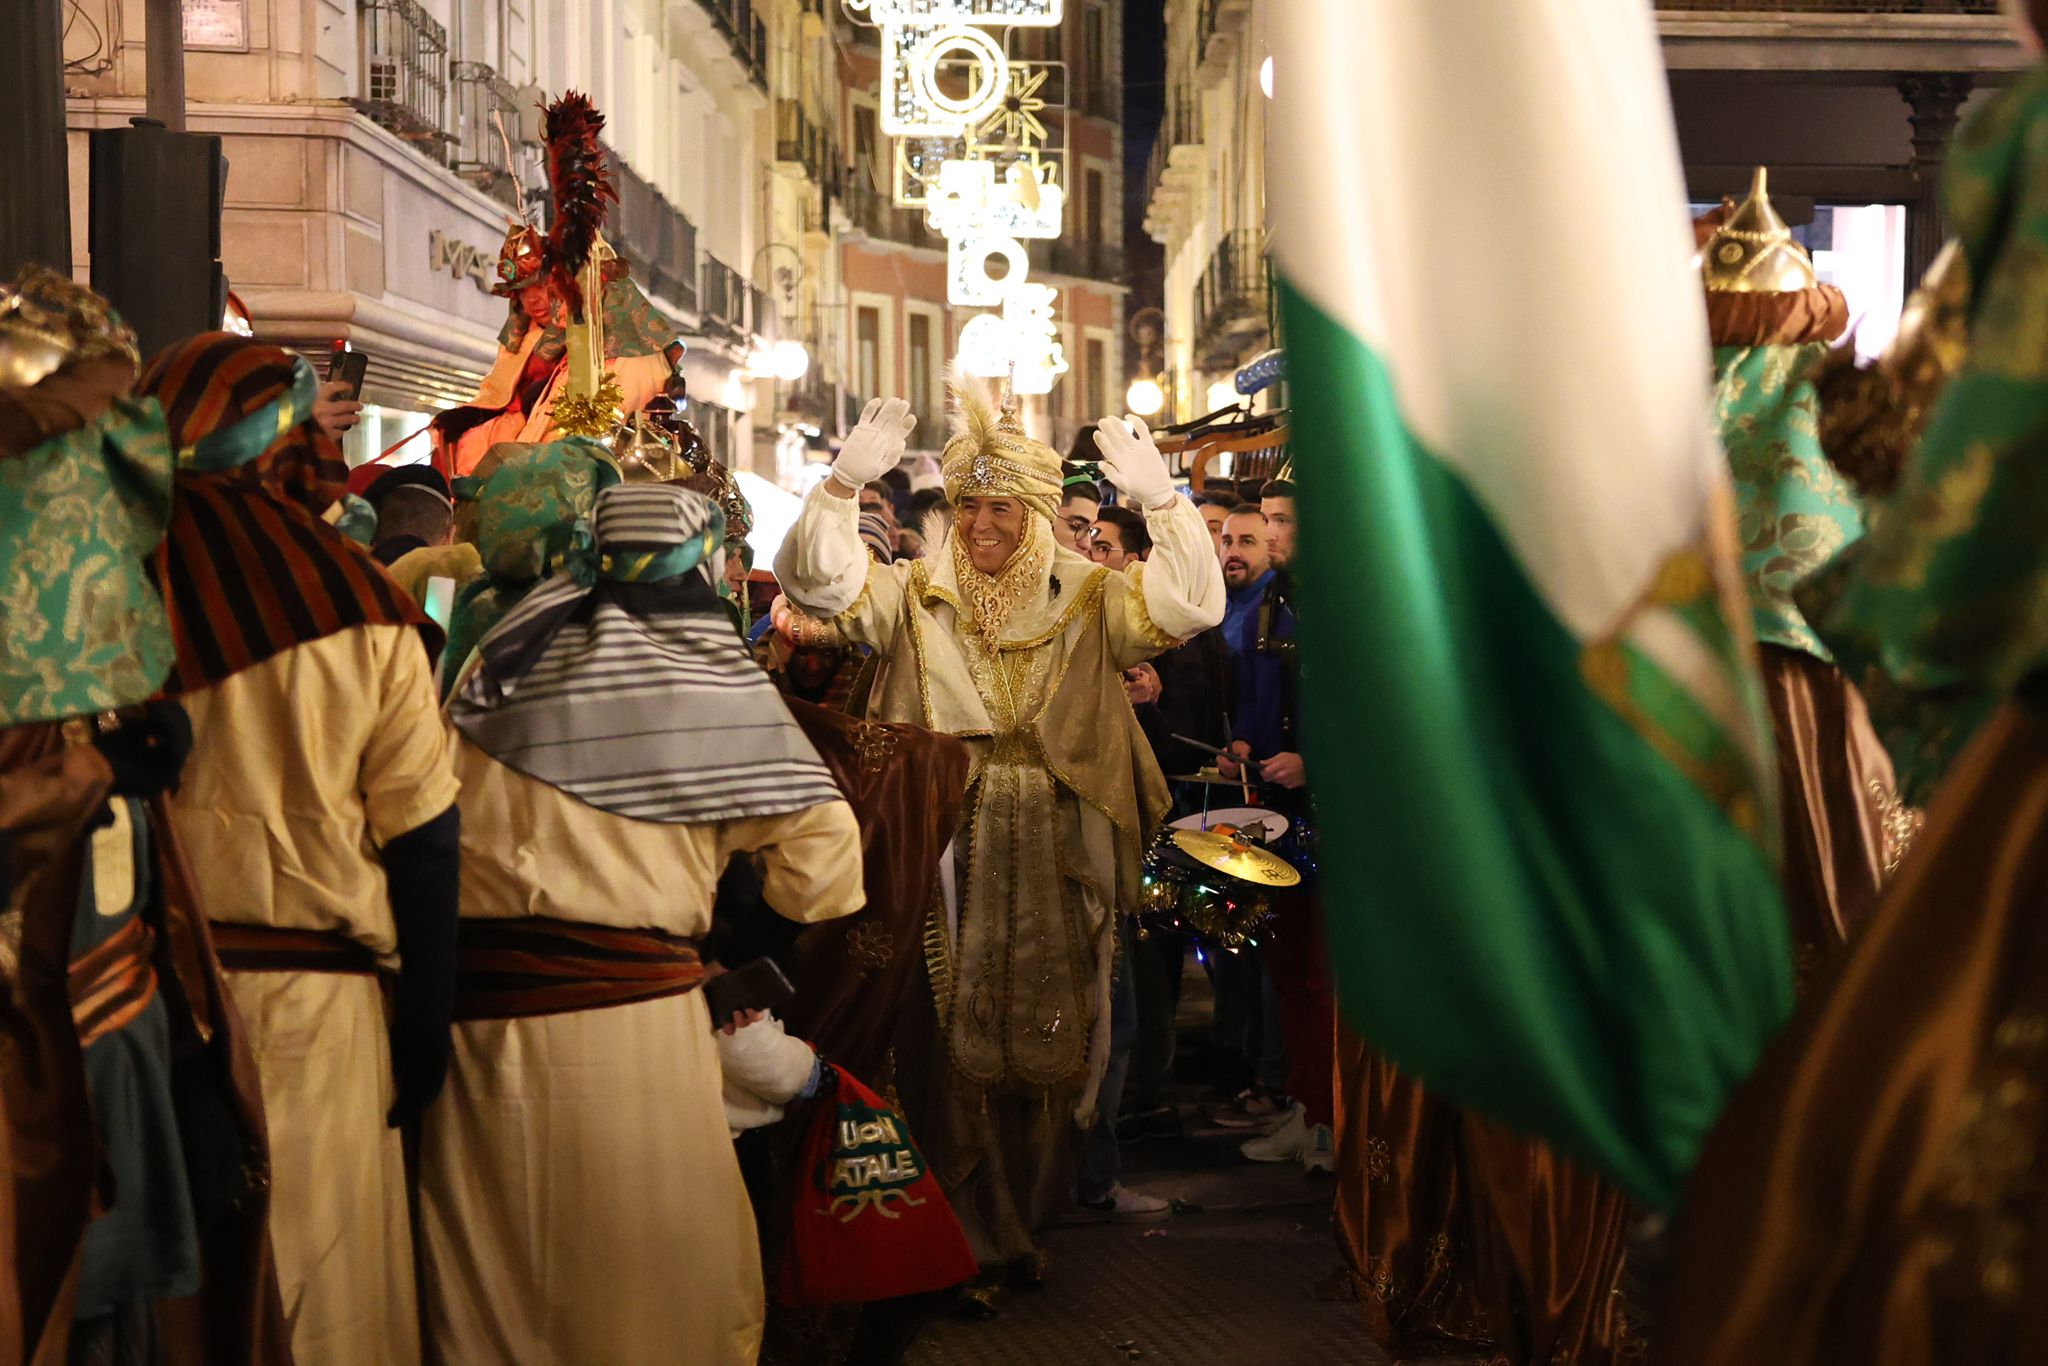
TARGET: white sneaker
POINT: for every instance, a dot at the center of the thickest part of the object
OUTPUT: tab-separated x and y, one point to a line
1285	1144
1123	1206
1319	1153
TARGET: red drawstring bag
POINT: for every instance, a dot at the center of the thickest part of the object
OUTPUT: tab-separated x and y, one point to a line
867	1218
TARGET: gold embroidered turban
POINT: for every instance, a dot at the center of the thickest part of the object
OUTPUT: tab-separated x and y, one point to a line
990	457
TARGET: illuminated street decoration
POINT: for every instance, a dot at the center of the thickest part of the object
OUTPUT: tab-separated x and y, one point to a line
967	279
974	149
1020	343
970	201
915	101
1004	13
1035	351
986	346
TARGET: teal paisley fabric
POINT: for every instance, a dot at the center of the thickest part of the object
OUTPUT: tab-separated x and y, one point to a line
82	628
533	519
1795	511
1946	607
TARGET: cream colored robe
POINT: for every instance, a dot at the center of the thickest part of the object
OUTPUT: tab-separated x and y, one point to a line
1063	794
301	766
579	1198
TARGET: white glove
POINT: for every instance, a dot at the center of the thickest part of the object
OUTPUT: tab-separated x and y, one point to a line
874	447
1132	461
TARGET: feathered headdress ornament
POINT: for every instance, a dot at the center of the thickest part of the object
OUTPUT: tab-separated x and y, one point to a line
581	187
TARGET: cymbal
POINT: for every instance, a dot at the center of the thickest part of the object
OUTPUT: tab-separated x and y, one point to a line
1207	775
1246	863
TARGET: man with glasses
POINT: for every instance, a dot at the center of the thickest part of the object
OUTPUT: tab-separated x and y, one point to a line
1080	501
1119	539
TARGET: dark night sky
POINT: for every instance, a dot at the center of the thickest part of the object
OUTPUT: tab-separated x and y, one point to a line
1144	106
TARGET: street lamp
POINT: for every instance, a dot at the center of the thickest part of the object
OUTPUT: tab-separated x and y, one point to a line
1144	397
790	360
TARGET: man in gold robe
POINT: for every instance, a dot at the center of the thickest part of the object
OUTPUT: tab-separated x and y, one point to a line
1017	646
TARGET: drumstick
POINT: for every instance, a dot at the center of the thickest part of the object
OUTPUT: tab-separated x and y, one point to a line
1219	752
1245	766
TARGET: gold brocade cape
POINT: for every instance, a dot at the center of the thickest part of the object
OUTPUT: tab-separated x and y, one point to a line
1063	794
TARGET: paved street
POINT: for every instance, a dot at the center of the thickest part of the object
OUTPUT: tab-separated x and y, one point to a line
1231	1278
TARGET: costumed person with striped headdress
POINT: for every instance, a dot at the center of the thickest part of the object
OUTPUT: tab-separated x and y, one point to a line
319	809
579	1196
130	1227
540	352
1016	645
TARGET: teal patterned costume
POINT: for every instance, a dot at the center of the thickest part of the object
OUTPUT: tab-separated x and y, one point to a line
82	628
533	519
1945	609
1795	511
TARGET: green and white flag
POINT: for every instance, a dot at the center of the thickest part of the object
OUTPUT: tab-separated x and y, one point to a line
1536	739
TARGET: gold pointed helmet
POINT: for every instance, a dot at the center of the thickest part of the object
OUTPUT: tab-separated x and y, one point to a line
1753	252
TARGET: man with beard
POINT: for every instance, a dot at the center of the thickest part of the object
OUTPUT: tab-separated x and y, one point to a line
1017	645
1266	730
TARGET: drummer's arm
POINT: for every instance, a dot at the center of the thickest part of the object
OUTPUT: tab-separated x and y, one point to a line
1282	770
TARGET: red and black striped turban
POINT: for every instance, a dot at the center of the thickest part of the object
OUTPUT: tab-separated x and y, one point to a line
248	568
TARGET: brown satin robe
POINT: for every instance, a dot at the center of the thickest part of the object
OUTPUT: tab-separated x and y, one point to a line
50	791
1875	1193
1464	1235
906	786
1837	794
858	979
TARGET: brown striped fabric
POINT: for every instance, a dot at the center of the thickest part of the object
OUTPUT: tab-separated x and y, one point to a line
249	569
511	969
270	948
112	982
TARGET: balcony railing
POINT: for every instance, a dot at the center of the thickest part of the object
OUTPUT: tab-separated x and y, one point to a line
1088	260
1232	303
745	33
654	236
722	302
876	214
1178	132
1832	6
801	142
402	54
476	154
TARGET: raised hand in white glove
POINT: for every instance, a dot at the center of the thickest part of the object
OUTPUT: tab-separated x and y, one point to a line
1131	460
874	447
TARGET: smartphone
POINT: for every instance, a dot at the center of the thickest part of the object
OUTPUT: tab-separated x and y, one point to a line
348	367
440	600
759	985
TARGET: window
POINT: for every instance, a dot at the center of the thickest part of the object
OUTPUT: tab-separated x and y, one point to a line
867	348
1094	47
1095	388
1097	233
864	141
921	371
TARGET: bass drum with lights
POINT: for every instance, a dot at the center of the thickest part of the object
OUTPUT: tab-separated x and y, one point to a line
1213	875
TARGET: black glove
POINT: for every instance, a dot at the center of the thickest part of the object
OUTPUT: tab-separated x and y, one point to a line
147	752
422	868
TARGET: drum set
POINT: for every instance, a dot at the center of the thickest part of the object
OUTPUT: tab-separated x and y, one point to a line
1213	874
